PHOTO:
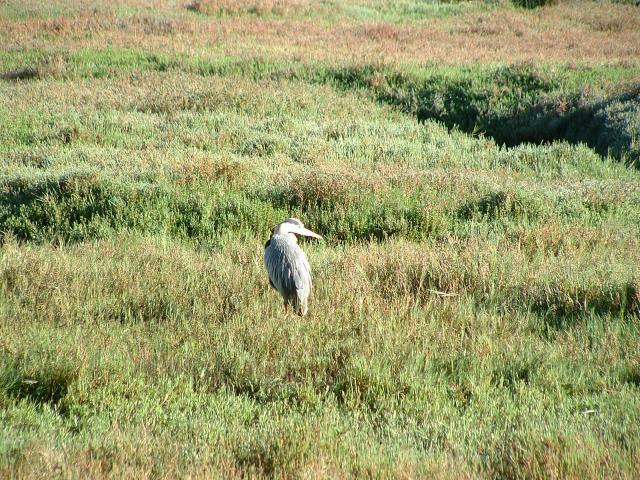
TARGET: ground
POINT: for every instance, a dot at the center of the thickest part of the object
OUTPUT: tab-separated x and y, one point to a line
472	166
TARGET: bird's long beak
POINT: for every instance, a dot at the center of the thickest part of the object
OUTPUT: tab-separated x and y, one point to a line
305	232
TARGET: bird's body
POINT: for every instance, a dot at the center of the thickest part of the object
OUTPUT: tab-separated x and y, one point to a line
287	265
289	271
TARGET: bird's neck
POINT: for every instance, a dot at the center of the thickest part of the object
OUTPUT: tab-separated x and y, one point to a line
286	235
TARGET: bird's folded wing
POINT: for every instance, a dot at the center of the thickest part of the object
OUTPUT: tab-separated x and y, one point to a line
288	267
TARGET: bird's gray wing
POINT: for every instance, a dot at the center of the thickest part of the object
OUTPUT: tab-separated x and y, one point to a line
301	273
288	267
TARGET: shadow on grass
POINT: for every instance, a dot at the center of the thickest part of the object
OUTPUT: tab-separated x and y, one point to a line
561	307
513	105
44	386
630	374
609	126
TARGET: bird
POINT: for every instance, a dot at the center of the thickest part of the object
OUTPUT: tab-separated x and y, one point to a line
287	265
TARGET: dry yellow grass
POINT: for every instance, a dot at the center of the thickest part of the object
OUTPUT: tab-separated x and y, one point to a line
568	33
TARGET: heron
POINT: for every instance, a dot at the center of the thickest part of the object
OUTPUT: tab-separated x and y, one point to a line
287	265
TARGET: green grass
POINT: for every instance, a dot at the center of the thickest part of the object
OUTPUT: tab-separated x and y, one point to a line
512	104
476	299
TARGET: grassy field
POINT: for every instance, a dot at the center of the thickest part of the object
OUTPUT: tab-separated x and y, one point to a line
487	151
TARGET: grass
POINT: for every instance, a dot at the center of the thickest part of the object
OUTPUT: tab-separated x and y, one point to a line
476	299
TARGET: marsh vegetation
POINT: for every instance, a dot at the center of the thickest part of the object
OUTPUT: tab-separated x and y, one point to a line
478	149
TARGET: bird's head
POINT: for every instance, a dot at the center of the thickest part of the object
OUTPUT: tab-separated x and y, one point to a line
294	226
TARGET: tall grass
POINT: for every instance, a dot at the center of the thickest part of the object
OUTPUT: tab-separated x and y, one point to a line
476	298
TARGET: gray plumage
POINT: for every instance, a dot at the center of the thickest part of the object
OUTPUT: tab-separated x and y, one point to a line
287	265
